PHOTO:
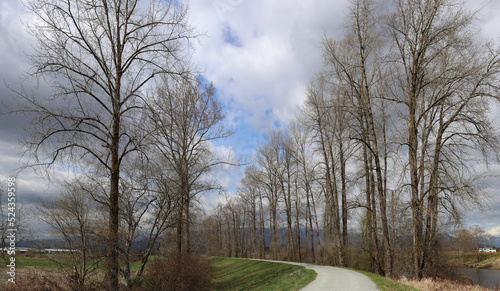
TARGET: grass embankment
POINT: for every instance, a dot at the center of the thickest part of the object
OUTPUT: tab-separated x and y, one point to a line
242	274
476	261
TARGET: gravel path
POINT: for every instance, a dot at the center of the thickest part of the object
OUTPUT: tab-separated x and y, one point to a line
332	278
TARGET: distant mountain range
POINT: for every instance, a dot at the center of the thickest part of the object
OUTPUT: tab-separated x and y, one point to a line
495	242
140	245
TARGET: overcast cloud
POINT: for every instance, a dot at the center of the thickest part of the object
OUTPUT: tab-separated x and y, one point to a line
260	55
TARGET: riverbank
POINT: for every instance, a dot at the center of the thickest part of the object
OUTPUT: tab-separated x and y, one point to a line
475	261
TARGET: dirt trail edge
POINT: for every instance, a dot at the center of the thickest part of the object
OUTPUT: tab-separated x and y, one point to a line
333	278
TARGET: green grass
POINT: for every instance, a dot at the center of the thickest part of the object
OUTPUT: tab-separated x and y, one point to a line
242	274
32	262
51	261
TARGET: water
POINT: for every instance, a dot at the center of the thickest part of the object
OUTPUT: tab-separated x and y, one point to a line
486	278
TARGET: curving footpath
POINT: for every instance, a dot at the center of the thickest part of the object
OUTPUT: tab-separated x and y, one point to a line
333	278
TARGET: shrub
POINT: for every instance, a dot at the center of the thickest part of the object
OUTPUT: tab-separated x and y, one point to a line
30	254
179	271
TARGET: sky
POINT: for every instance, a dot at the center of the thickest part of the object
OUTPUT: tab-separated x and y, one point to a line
259	54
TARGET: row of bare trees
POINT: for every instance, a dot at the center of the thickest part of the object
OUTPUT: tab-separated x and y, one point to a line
395	132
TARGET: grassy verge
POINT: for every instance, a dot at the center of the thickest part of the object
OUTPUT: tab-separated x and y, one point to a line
241	274
427	284
385	284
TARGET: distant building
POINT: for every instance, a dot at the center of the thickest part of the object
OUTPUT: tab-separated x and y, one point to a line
18	250
54	251
487	250
46	251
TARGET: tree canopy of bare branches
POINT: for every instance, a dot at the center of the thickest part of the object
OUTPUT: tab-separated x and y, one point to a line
99	57
187	119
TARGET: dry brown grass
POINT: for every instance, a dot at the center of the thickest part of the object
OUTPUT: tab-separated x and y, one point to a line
35	279
44	279
429	284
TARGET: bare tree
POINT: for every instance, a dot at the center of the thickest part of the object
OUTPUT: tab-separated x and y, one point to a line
249	194
281	151
445	78
186	119
268	180
356	67
161	209
479	239
463	241
306	168
73	218
98	57
147	205
318	116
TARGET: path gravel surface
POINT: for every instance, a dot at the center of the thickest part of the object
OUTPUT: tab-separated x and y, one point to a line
333	278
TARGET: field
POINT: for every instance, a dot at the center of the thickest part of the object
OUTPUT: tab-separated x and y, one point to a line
46	270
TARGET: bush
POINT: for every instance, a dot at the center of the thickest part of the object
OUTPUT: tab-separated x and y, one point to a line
30	254
179	271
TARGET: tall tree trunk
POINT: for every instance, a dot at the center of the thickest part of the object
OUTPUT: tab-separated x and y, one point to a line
309	217
113	240
432	202
297	214
179	225
371	200
262	230
187	232
144	260
416	204
317	224
344	194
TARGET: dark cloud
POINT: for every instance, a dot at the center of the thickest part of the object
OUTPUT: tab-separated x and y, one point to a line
15	43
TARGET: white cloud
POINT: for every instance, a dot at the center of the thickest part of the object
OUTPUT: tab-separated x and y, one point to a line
277	52
489	17
494	231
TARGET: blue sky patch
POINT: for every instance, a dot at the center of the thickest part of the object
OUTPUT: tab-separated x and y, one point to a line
229	37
